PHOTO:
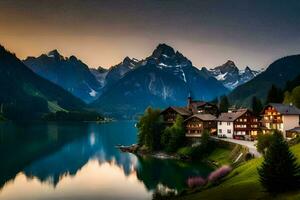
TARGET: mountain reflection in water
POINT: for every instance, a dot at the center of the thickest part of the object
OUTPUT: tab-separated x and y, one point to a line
78	161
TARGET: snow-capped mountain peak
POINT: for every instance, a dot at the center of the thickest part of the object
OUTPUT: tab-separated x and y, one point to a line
231	76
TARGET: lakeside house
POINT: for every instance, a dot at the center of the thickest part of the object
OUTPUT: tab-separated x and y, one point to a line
282	117
198	116
193	107
238	124
196	124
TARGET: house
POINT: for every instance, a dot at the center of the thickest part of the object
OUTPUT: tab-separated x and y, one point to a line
170	113
238	124
196	124
281	117
293	133
192	108
202	107
197	115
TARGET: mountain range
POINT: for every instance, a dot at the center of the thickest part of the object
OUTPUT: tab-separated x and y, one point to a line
230	75
164	78
278	73
26	95
69	73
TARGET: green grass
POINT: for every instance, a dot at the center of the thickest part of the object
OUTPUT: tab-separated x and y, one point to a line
243	183
221	156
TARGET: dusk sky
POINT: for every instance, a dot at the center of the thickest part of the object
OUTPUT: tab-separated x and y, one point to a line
102	33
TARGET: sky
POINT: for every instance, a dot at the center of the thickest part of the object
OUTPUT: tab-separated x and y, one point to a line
102	32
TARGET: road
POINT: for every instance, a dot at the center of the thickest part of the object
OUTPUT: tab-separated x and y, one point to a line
250	144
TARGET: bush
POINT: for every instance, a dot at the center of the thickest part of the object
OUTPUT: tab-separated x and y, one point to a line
196	181
185	152
279	171
206	146
219	173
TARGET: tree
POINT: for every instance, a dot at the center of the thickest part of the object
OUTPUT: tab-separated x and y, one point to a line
275	95
173	137
224	104
279	171
256	106
150	127
263	142
215	101
206	146
293	97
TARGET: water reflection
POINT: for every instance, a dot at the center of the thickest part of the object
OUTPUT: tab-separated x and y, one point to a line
76	161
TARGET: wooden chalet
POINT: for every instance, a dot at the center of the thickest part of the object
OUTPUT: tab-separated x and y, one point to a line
170	113
202	107
196	124
281	117
238	124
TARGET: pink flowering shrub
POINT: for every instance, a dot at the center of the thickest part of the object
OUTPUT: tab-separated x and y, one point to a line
196	181
219	173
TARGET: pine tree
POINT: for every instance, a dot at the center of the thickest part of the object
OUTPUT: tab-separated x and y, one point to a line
279	171
256	106
224	104
275	95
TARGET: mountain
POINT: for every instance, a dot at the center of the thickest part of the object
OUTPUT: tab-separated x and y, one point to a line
278	73
25	95
100	74
164	78
118	71
70	73
230	75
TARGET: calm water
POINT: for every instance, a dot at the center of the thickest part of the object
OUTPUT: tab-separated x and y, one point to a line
79	161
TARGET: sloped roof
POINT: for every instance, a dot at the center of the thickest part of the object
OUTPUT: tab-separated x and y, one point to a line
180	110
231	116
203	117
285	109
196	104
296	129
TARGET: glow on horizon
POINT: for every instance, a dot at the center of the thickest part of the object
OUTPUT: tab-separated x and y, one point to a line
103	33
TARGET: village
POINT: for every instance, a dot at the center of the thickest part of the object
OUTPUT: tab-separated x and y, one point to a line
237	123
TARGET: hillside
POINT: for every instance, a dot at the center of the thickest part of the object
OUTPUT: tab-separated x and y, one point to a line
243	182
25	95
278	73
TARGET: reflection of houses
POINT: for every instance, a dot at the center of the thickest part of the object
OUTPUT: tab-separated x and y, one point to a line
198	116
281	117
238	124
196	124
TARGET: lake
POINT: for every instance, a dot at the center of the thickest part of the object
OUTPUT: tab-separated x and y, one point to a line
80	161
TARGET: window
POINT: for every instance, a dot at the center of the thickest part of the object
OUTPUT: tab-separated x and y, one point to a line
229	131
228	123
220	123
220	130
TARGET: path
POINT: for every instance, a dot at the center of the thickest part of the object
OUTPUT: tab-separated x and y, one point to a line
250	144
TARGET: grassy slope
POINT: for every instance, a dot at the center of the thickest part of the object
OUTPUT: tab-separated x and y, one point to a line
221	156
243	183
